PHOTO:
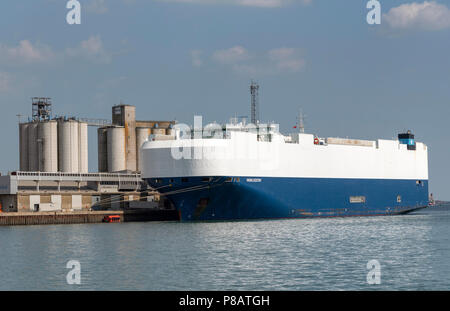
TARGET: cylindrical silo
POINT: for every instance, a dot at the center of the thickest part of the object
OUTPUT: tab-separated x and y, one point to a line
48	146
142	134
68	151
116	149
33	147
23	145
83	147
102	150
169	131
159	131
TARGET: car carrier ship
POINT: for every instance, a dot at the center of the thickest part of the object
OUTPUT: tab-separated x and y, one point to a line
239	171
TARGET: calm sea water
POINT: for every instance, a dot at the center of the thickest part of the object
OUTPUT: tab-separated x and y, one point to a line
314	254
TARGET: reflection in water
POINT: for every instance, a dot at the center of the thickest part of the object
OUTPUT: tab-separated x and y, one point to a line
311	254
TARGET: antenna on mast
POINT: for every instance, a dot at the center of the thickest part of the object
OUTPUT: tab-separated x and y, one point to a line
254	108
301	122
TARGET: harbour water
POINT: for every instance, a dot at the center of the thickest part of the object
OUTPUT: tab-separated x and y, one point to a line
305	254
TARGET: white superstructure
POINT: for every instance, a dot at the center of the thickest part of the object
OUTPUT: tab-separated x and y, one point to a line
241	152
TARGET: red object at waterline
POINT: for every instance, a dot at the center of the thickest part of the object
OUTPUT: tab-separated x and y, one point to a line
111	218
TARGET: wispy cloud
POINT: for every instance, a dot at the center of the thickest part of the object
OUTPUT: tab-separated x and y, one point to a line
250	3
428	15
275	61
25	53
91	49
231	55
196	58
29	53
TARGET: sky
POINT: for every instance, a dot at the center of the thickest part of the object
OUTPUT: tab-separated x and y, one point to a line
176	58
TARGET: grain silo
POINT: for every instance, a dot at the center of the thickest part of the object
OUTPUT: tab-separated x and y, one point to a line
142	134
48	146
23	145
68	151
125	115
119	144
52	145
83	147
102	149
33	147
116	149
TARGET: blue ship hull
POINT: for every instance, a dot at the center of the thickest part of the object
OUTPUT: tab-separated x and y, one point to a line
234	198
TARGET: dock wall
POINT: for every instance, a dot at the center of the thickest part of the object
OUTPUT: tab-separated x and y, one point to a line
84	217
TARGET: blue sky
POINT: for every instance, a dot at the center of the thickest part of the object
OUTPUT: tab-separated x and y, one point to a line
176	58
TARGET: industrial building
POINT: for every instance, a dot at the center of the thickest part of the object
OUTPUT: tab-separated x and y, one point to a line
53	174
52	145
119	143
44	192
61	144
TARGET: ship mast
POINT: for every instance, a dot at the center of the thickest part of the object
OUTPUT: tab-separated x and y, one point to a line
254	109
301	122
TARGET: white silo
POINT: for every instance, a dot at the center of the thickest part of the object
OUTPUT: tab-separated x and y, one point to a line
23	146
68	141
116	149
142	134
33	147
83	147
48	146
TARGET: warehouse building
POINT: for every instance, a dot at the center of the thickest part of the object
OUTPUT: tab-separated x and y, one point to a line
34	192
